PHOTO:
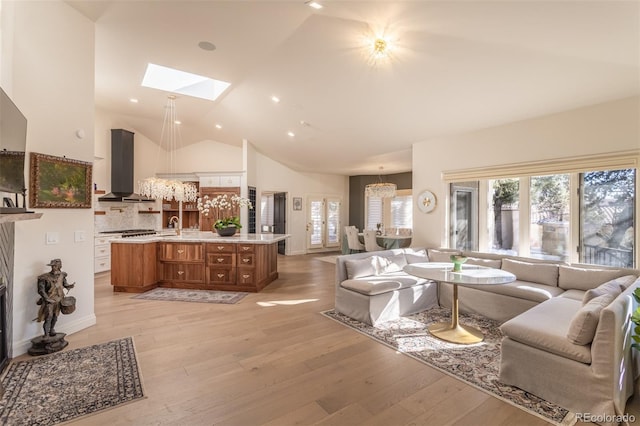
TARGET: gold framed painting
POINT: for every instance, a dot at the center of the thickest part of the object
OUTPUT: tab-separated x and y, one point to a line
59	182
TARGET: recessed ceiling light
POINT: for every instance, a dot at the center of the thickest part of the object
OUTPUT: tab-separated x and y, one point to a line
178	122
206	45
314	4
184	83
218	126
133	100
275	99
291	134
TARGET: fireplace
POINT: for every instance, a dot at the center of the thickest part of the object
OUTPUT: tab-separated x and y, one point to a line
4	343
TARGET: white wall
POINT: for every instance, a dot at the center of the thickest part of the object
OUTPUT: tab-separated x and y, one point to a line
48	71
272	176
605	128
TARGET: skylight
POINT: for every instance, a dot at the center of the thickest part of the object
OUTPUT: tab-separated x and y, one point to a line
182	82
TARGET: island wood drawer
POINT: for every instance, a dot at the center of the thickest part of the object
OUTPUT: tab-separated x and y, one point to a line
221	259
221	275
181	252
184	272
245	276
221	248
246	260
246	248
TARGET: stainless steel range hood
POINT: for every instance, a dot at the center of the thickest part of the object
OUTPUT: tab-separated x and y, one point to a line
122	169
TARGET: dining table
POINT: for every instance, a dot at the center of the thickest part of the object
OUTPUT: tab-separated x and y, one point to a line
387	242
469	275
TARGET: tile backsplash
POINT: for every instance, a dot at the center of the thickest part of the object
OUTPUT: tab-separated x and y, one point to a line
125	216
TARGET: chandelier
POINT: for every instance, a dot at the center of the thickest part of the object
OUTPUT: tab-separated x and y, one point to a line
169	189
381	189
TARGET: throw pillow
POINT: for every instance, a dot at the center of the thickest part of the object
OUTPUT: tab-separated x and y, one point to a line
583	326
615	287
393	263
585	278
415	256
357	268
543	273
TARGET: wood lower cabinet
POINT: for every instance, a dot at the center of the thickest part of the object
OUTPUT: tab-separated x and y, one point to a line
221	265
195	265
133	267
181	265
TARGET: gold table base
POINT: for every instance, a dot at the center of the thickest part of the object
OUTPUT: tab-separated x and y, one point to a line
462	334
455	332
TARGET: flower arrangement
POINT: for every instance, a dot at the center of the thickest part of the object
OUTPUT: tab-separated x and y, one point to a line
222	207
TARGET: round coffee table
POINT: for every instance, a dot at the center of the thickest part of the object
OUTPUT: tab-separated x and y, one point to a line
455	332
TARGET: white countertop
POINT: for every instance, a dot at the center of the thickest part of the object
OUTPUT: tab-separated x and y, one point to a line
203	237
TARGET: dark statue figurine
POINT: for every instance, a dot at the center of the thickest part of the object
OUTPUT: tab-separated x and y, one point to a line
51	286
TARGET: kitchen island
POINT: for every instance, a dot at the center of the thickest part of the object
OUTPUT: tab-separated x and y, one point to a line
195	260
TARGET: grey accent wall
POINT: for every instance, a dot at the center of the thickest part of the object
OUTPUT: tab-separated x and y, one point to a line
356	192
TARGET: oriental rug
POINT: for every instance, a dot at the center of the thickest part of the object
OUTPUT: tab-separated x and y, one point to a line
63	386
477	365
184	295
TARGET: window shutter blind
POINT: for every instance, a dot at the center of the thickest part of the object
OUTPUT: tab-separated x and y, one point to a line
374	212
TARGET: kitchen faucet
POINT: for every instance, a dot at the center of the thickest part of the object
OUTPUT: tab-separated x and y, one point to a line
177	225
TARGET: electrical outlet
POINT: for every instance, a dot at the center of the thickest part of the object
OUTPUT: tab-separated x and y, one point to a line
79	236
52	238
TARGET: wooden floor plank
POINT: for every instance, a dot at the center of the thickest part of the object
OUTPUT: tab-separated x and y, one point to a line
272	359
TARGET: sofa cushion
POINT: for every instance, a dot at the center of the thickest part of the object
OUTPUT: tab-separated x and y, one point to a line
489	263
415	256
382	283
544	273
357	268
615	287
392	263
585	278
441	255
584	323
573	294
522	290
545	327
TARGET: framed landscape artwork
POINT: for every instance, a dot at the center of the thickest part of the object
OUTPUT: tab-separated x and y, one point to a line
58	182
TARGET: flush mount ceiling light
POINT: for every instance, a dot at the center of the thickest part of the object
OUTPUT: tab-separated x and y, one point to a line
381	189
182	82
313	4
167	189
379	49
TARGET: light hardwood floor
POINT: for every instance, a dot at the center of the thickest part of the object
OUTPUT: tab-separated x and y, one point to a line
273	359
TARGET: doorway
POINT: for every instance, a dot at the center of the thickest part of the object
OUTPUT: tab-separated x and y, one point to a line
280	217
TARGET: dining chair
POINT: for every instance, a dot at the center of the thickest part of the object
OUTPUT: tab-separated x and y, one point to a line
370	243
355	246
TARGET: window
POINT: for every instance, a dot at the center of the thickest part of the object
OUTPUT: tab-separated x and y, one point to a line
549	217
586	213
607	201
390	213
504	216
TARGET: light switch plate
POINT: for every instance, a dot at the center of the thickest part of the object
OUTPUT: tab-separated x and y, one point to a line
52	238
79	236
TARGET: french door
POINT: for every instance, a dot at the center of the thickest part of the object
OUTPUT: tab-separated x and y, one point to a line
323	223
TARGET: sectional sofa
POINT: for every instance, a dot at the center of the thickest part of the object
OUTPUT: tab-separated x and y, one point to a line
566	327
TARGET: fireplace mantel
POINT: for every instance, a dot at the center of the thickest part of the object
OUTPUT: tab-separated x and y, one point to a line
15	217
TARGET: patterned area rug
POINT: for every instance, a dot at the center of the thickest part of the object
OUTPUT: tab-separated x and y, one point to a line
477	365
66	385
182	295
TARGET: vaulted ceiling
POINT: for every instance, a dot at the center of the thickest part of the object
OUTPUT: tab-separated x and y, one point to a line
456	66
